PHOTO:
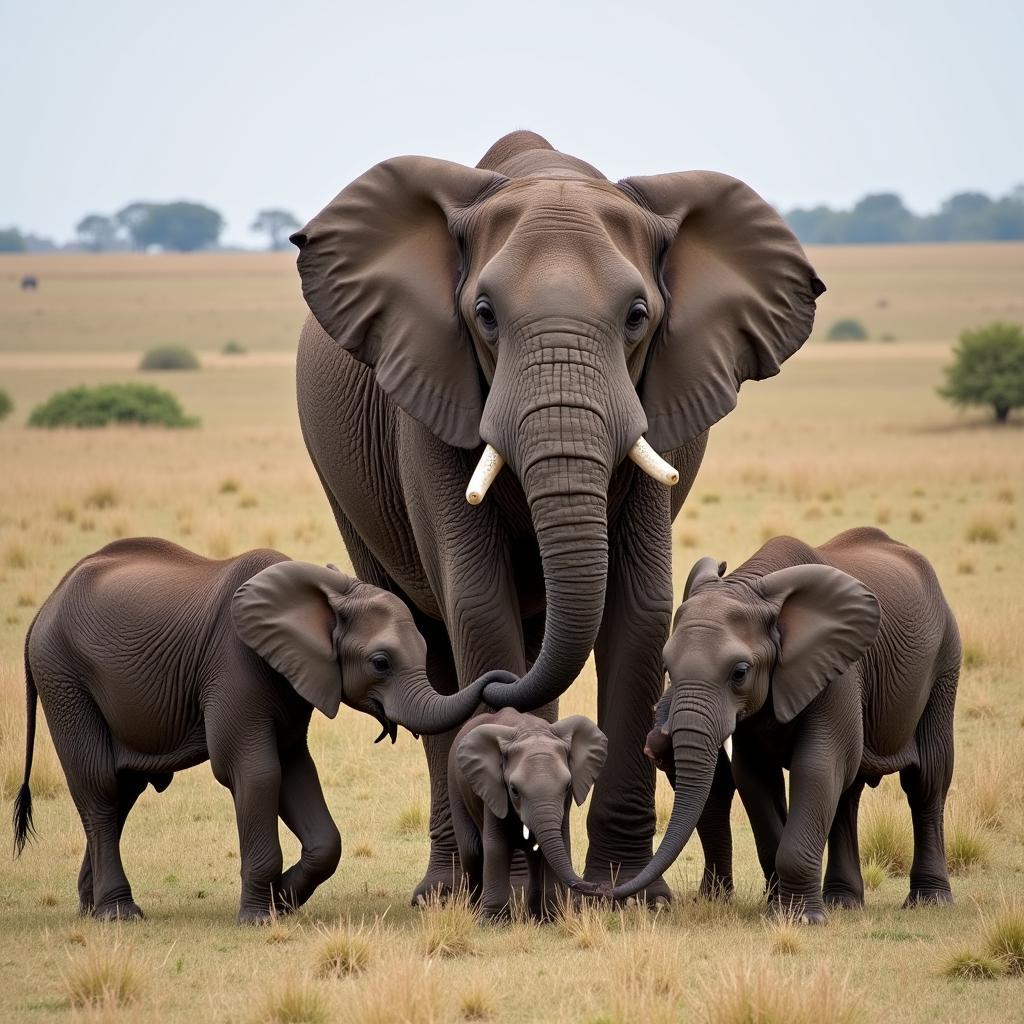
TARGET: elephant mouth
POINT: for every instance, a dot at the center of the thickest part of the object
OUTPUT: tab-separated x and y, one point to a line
387	727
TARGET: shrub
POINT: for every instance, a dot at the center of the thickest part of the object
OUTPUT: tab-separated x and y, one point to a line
233	348
169	357
988	369
6	405
111	403
847	329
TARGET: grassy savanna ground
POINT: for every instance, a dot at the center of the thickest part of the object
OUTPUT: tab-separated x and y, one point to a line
848	434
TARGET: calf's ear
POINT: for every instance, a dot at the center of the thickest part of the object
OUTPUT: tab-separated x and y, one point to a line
480	760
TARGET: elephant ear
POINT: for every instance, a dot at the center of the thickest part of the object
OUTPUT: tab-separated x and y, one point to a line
827	620
588	747
480	759
704	570
287	614
741	299
380	269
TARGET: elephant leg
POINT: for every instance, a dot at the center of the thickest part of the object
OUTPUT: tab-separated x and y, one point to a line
471	851
926	785
844	884
304	810
762	790
244	758
715	832
815	786
497	883
638	606
84	747
129	788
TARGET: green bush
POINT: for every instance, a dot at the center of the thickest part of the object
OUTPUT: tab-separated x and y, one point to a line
988	369
111	403
169	357
233	348
847	330
6	405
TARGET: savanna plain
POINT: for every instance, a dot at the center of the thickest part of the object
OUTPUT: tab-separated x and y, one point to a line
849	434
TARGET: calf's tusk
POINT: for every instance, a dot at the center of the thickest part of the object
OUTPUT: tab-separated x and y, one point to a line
727	747
484	475
652	463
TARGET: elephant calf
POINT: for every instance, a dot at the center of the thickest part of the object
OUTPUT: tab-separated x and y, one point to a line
511	778
839	663
149	659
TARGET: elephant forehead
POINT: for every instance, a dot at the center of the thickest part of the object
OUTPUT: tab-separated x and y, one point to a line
539	217
711	622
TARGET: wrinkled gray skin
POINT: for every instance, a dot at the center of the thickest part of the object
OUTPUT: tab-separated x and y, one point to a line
531	303
839	663
149	659
511	781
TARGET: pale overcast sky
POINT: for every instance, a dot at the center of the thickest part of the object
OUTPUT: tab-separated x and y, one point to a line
248	104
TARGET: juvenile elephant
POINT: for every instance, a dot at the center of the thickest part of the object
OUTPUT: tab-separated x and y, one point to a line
839	663
528	311
511	781
149	659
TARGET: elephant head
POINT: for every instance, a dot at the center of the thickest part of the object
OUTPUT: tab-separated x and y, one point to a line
738	643
532	304
536	769
338	640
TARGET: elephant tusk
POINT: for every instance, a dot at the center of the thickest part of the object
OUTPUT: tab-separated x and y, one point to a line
652	463
526	833
727	747
484	475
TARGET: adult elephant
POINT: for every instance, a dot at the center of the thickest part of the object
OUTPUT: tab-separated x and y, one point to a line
533	305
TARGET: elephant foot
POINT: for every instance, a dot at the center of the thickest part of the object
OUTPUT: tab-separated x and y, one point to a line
258	916
443	877
843	899
927	897
799	908
122	910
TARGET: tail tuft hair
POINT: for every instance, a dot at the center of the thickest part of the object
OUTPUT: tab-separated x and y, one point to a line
23	829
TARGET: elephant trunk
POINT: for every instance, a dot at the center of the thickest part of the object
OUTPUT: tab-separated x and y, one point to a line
696	739
551	840
415	704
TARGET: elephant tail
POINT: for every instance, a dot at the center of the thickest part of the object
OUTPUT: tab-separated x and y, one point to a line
23	829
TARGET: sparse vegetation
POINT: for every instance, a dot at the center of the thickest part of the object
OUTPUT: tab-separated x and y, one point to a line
108	404
847	329
967	846
755	994
6	405
886	835
104	976
233	348
345	949
169	357
293	1000
448	926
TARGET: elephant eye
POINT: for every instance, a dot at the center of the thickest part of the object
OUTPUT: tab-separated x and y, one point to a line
637	316
514	790
739	673
485	314
381	664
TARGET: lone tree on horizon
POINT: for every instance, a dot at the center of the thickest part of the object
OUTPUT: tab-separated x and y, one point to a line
275	224
988	369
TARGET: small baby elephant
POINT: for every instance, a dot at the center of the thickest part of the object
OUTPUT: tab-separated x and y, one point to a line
149	659
511	778
839	663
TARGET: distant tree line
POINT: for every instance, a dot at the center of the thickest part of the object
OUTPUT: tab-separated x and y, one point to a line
882	217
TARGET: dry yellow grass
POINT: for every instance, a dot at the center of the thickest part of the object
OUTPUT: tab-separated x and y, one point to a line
842	430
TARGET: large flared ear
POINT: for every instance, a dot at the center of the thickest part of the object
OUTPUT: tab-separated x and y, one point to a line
588	747
480	759
741	299
380	268
288	614
827	619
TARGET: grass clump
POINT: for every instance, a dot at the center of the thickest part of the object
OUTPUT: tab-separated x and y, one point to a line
448	927
584	923
108	404
873	874
412	820
847	329
16	556
6	405
886	836
972	965
233	348
104	977
293	1001
169	357
414	996
754	994
967	846
784	933
101	496
478	1001
345	950
1004	937
983	529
